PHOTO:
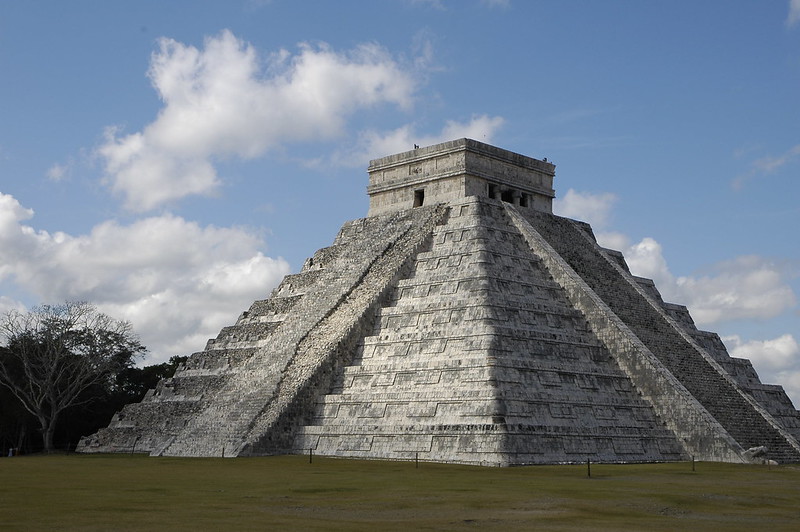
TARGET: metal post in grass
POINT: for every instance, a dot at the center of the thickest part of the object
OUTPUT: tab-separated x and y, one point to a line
588	468
310	455
692	462
416	460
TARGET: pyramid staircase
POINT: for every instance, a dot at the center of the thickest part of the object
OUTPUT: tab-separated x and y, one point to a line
480	358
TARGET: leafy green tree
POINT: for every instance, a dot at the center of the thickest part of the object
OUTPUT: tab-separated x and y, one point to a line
55	353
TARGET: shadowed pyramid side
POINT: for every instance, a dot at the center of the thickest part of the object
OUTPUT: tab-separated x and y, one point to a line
742	418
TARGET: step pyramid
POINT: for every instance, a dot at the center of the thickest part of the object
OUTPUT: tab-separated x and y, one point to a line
461	321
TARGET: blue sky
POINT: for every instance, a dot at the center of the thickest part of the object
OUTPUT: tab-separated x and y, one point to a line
171	161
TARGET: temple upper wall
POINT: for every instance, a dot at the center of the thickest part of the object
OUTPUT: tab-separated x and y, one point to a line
455	169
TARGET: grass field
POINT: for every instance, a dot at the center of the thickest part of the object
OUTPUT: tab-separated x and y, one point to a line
121	492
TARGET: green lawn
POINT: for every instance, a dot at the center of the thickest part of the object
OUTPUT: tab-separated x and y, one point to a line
121	492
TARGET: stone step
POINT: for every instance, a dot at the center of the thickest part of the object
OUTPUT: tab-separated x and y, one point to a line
273	305
246	332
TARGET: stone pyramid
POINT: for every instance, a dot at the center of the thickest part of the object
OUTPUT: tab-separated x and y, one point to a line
461	321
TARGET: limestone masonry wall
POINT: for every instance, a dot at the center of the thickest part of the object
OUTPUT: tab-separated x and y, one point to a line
456	169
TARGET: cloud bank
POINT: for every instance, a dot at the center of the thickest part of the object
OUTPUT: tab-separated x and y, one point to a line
767	165
177	282
224	101
372	144
777	360
745	288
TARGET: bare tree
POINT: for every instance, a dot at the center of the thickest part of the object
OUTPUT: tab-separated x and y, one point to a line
54	354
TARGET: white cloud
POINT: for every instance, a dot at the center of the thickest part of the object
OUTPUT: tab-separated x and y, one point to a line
789	381
794	13
57	172
767	165
504	4
7	304
177	282
613	240
777	354
747	287
221	102
435	4
594	209
373	144
646	259
11	213
776	360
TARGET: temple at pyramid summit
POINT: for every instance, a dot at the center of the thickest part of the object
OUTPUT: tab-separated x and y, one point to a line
461	321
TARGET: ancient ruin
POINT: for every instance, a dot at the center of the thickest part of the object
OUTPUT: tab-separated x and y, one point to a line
461	321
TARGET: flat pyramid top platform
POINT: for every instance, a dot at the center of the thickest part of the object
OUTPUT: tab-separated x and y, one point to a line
457	169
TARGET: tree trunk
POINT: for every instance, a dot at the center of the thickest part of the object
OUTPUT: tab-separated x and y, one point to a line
21	438
48	429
